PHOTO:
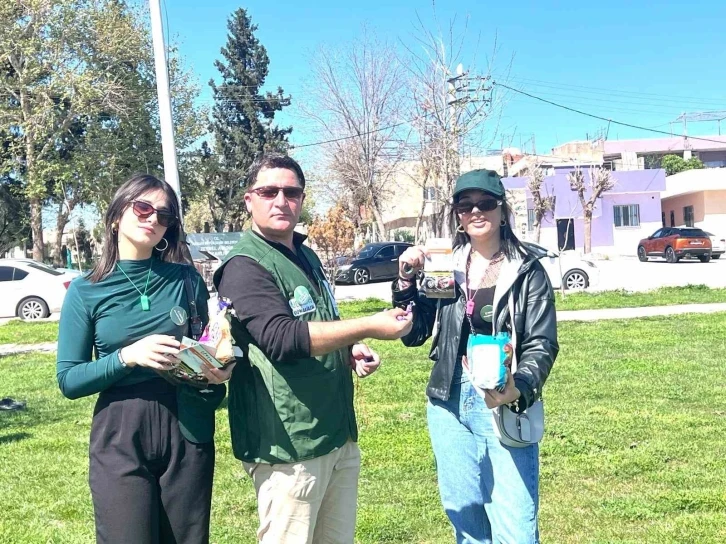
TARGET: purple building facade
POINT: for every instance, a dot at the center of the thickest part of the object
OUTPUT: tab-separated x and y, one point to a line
622	216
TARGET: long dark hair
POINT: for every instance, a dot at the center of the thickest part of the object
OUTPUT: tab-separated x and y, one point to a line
509	243
138	185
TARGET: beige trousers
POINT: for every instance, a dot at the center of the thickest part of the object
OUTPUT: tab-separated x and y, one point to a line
312	501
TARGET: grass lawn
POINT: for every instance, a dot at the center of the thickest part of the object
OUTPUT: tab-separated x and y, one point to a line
663	296
633	452
19	332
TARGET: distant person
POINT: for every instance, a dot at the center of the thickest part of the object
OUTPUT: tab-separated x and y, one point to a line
151	447
490	491
291	397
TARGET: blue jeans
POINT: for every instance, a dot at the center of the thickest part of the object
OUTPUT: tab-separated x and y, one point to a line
489	491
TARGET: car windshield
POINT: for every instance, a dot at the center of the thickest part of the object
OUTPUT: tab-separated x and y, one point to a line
693	233
366	252
45	268
536	250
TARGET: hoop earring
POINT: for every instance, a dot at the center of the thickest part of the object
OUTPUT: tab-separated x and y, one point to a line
503	223
114	228
460	229
162	249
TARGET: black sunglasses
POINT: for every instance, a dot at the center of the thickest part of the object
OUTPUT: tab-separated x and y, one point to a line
144	210
485	205
270	193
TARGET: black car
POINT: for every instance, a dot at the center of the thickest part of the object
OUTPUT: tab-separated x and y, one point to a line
378	261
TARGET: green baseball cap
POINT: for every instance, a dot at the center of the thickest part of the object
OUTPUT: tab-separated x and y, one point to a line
483	180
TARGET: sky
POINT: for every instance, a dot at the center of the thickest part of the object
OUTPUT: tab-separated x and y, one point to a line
637	62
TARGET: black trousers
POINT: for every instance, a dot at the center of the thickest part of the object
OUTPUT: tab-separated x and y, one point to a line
149	484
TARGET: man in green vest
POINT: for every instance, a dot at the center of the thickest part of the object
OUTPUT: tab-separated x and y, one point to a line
291	395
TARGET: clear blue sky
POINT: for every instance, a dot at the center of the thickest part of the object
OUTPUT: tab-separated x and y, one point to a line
629	61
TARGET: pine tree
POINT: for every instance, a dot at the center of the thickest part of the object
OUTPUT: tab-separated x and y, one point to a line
242	119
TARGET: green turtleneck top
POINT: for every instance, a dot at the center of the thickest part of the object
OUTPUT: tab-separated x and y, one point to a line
108	315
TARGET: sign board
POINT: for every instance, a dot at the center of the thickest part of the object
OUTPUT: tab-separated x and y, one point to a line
216	243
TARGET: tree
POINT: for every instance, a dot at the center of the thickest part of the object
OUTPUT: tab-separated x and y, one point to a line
541	204
242	120
333	235
61	61
601	181
674	164
357	100
451	109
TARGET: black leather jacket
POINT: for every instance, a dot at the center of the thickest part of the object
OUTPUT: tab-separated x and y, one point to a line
534	317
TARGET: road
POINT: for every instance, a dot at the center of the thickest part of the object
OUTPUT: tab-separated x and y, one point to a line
623	273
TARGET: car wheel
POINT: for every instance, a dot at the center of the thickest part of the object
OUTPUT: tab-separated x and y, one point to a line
576	280
716	256
362	276
33	308
704	258
671	255
642	255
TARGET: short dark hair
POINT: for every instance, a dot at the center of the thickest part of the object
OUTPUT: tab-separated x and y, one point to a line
274	160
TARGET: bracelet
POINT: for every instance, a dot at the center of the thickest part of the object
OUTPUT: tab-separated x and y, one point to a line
121	360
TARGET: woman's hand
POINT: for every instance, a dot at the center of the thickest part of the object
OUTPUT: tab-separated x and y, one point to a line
218	375
411	261
494	398
157	351
364	360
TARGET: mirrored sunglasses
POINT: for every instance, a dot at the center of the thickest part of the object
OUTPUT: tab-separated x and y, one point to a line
270	193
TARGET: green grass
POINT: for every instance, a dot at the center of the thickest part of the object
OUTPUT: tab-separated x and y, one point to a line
663	296
23	332
17	331
633	451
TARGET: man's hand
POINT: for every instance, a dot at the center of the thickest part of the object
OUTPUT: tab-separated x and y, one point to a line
390	325
363	360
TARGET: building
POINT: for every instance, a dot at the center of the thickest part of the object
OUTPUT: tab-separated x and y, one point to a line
646	153
696	198
623	216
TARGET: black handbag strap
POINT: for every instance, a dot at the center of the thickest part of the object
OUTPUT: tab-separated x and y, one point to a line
195	322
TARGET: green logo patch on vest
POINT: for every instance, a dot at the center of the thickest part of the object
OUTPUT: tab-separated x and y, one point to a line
301	303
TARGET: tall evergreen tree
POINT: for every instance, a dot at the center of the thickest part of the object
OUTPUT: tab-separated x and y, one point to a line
242	120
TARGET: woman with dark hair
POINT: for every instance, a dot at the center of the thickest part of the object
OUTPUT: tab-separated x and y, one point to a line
151	447
489	487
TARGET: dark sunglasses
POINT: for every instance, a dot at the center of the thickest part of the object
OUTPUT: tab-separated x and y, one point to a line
270	193
144	210
485	205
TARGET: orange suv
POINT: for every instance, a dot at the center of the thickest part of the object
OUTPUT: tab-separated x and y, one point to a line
675	244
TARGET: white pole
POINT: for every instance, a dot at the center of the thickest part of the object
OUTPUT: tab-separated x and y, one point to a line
171	173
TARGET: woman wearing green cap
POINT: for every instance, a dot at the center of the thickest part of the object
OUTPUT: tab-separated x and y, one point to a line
488	483
151	448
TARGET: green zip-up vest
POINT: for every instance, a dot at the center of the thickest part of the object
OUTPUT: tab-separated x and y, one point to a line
284	412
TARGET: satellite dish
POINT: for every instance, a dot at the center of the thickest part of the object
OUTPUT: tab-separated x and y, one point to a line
459	69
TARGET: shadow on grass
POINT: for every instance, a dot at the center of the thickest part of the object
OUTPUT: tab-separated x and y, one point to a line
15	437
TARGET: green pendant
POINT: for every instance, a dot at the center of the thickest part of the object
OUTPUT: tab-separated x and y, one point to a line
145	303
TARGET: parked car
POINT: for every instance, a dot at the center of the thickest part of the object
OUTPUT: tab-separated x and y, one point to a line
565	268
377	261
718	245
675	244
32	290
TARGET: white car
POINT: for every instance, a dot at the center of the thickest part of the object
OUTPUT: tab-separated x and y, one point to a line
577	273
31	290
718	245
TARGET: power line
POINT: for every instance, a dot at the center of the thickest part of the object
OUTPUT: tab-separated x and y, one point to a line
602	118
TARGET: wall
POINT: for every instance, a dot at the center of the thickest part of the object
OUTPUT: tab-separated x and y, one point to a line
677	203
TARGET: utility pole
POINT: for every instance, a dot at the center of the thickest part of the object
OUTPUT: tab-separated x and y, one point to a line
171	172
